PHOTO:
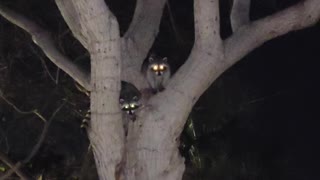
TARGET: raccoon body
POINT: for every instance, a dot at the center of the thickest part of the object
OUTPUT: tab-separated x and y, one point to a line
157	73
129	99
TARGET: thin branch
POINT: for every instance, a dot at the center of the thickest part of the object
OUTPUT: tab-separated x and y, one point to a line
43	39
177	35
251	36
43	135
43	64
57	75
35	148
240	13
35	111
5	159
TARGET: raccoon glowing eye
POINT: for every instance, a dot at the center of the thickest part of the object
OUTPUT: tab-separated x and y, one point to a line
132	105
126	106
161	67
155	68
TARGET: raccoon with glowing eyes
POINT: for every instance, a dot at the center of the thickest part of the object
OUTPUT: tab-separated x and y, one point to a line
157	72
129	99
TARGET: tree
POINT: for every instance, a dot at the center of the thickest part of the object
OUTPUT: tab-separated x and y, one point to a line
153	139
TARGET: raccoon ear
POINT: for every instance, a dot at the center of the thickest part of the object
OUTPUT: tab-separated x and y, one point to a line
121	100
135	98
150	59
165	59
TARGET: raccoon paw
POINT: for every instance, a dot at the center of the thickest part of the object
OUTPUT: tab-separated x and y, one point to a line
86	121
84	124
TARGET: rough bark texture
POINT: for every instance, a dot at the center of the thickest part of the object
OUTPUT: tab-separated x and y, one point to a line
99	31
153	138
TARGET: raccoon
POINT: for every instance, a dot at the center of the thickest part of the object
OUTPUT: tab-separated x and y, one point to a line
129	99
157	72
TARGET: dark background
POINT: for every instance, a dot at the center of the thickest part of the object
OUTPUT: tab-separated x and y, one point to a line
259	120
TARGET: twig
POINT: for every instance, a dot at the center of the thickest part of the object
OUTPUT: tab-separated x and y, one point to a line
35	111
5	139
35	149
5	159
173	25
57	75
45	67
43	135
263	98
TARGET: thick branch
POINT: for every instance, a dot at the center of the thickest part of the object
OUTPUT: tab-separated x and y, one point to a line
251	36
192	77
81	16
144	26
239	13
139	38
73	20
207	23
42	38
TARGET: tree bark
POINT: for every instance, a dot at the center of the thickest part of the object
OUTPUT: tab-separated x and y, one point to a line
99	33
240	13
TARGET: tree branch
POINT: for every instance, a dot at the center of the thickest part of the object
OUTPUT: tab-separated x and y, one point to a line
5	159
69	13
43	39
35	149
144	27
81	16
139	38
249	37
192	78
207	23
239	13
34	111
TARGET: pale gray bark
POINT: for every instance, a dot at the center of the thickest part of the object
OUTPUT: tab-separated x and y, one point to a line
139	38
150	150
251	36
99	31
239	13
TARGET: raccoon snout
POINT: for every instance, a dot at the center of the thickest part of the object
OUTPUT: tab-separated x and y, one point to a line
159	73
131	112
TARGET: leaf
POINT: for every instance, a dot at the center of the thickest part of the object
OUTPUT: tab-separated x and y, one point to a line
2	169
40	177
